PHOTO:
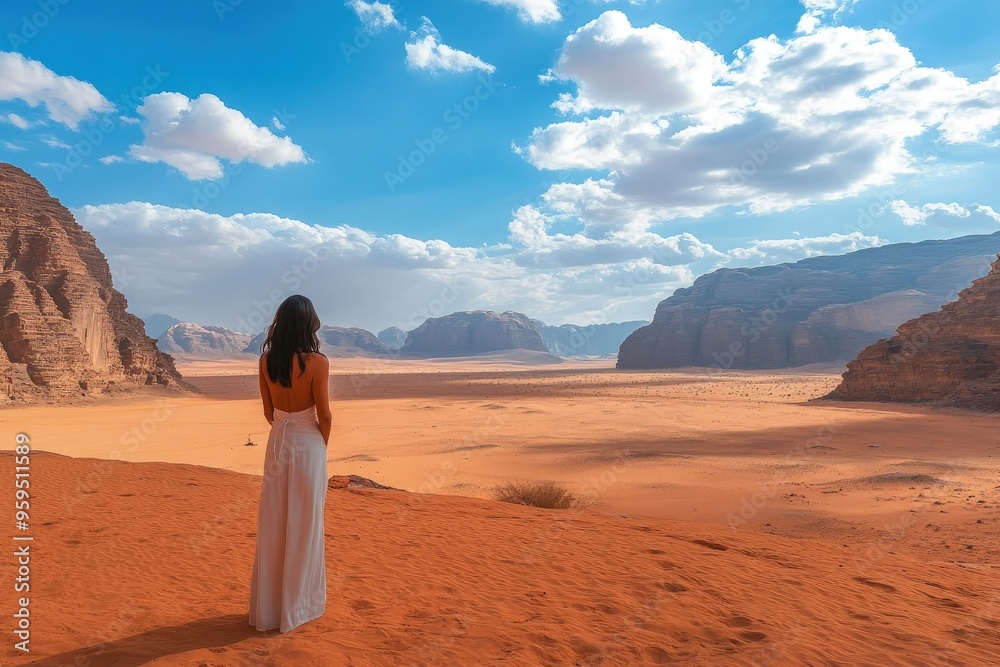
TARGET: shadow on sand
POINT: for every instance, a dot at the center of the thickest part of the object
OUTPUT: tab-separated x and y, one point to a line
141	649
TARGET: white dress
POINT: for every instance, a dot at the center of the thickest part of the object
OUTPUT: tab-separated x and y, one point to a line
288	584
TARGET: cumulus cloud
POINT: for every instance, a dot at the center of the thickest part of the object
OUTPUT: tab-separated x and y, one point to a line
241	266
652	70
162	257
677	131
66	100
945	215
374	16
543	250
193	135
531	11
818	10
424	50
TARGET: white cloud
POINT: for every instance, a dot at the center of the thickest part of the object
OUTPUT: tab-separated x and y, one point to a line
13	147
15	120
162	255
790	250
677	131
192	135
531	11
67	100
374	16
542	250
111	159
277	124
54	142
167	254
424	50
651	70
941	214
817	11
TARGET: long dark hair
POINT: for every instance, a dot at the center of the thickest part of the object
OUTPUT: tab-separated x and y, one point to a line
292	332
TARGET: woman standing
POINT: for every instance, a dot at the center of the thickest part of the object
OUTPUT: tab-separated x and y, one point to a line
288	584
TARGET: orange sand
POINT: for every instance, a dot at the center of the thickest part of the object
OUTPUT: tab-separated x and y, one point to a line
873	550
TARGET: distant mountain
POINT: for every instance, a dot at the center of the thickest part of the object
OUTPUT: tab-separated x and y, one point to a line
157	323
393	337
198	340
337	342
473	332
573	340
817	310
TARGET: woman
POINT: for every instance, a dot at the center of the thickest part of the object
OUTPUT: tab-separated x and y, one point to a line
288	584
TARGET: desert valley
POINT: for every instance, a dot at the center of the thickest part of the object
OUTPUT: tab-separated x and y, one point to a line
500	333
752	511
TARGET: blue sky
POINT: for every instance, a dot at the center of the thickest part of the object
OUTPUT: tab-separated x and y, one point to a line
588	210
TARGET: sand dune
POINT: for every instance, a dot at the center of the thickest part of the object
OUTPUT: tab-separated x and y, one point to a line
822	507
143	562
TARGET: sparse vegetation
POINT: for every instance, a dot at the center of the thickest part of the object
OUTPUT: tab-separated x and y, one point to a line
545	494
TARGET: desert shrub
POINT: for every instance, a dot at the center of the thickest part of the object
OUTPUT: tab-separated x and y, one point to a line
545	494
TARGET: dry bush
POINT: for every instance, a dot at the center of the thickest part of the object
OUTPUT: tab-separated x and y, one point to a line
545	494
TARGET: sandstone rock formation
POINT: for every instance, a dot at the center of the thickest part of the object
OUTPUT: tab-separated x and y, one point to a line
473	332
204	341
64	329
393	337
337	342
948	357
574	340
817	310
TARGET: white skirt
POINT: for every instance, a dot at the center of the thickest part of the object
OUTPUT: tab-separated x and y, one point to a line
288	583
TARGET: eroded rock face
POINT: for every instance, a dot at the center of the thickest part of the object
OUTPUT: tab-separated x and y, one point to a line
817	310
64	329
205	341
337	342
948	357
473	332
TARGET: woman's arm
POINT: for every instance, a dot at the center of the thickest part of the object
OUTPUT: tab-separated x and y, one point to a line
265	392
321	394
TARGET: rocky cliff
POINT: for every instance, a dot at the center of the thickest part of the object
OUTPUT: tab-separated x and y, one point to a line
473	332
64	329
949	357
337	342
817	310
573	340
204	341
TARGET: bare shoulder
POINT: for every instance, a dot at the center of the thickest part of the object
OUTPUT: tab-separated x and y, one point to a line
317	360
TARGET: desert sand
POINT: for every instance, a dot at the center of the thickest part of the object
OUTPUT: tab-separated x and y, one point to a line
725	519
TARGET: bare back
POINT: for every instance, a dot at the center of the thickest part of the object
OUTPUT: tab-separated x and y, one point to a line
300	395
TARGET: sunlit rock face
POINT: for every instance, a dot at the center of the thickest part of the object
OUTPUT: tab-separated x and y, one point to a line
949	357
64	329
817	310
